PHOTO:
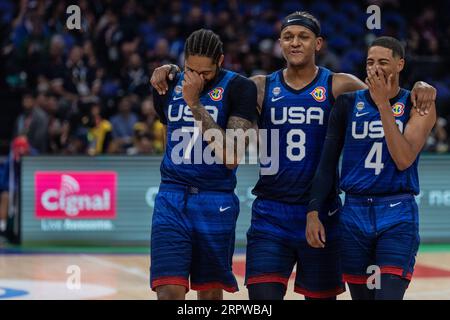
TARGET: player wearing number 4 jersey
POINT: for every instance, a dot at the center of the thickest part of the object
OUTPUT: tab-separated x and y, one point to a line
381	137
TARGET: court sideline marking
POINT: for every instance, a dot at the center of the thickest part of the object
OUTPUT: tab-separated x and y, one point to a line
103	262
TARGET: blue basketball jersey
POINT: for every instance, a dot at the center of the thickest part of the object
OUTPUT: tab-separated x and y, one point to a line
188	159
300	117
367	166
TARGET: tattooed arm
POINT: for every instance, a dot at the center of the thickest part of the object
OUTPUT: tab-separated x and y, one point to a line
224	142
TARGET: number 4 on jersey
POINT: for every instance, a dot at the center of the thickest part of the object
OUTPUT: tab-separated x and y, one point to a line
376	152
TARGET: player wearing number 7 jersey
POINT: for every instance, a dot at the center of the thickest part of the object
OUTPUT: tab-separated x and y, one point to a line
196	209
381	137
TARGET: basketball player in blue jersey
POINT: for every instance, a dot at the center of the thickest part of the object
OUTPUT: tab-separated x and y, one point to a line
194	219
297	102
381	137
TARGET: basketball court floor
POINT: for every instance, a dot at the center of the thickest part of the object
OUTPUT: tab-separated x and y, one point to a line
124	274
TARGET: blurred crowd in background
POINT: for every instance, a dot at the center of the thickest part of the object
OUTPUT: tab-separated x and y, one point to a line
87	91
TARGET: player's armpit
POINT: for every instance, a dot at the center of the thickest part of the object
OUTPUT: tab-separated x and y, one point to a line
164	136
260	81
344	82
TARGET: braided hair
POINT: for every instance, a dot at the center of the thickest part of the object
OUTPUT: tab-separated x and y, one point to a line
205	43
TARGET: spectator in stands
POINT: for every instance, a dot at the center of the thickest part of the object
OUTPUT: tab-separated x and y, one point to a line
160	53
79	81
57	127
33	123
99	131
327	58
10	175
121	42
54	64
123	125
142	143
135	78
77	141
109	36
151	125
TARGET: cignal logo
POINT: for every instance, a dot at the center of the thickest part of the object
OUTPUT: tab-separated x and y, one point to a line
75	195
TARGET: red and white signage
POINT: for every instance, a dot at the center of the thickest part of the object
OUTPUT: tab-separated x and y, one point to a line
75	195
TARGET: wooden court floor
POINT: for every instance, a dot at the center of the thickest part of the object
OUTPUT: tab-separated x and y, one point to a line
125	276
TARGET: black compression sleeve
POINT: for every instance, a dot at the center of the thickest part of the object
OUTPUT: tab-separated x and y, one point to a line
242	97
323	179
160	101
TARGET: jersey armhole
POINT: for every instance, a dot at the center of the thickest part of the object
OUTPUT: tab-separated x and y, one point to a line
172	85
349	110
263	103
226	98
330	88
408	101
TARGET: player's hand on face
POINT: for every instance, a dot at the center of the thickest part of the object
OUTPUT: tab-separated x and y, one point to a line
161	75
423	97
379	85
315	232
192	87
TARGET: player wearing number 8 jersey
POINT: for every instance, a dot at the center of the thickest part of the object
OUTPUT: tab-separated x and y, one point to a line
381	137
296	103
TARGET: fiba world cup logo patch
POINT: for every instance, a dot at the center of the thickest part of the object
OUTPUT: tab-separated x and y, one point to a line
178	90
216	94
276	91
319	94
398	109
360	105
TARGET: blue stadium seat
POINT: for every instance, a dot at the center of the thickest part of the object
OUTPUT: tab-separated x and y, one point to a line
339	42
350	8
320	7
289	7
149	35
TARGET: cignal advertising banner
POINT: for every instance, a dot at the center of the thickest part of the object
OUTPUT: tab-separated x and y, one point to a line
75	195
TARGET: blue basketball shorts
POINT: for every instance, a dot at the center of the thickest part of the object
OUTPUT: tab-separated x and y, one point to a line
193	236
381	233
276	242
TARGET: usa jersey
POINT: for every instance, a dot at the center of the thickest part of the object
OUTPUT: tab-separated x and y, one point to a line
184	160
300	117
367	166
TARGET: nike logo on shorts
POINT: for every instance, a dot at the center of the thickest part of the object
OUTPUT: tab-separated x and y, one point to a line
394	204
224	209
331	213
